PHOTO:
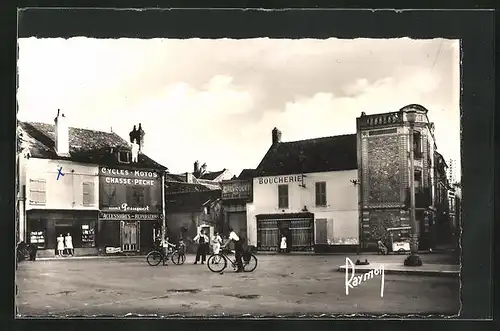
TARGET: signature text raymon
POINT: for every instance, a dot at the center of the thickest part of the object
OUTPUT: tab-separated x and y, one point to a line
355	280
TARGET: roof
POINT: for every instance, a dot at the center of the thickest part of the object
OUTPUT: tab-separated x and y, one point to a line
312	155
183	187
246	174
85	146
191	202
175	178
212	175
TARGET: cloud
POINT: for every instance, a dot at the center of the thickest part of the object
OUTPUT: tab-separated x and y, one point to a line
218	100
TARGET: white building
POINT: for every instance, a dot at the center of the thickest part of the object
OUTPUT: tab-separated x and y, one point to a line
306	191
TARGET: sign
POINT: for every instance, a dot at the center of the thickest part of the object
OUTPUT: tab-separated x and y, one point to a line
236	190
128	177
113	250
129	216
129	190
280	179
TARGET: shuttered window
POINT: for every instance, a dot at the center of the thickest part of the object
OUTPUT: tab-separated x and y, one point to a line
282	196
321	194
88	194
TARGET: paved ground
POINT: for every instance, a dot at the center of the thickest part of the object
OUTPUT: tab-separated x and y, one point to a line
281	285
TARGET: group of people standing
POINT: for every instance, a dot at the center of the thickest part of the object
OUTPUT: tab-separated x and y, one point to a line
65	245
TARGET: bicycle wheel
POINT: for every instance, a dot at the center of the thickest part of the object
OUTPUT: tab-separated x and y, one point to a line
154	258
250	264
178	258
217	262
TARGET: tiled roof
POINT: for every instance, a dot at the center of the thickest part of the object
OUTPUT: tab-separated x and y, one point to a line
190	202
86	146
212	175
175	178
183	187
313	155
246	174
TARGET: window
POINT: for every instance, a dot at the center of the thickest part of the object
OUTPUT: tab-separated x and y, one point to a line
124	157
88	194
282	196
418	179
88	234
37	233
321	194
38	192
417	145
138	193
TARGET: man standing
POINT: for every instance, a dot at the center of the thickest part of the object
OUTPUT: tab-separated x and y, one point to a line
238	247
202	240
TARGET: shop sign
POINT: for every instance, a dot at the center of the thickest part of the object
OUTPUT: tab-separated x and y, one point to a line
280	179
129	190
129	216
113	250
236	190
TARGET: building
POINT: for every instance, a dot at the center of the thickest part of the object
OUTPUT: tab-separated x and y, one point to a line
236	193
84	182
343	193
190	208
383	163
304	190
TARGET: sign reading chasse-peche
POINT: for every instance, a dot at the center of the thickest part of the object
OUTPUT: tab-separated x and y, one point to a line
280	179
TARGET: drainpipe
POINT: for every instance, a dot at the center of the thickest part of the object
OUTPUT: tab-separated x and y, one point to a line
163	225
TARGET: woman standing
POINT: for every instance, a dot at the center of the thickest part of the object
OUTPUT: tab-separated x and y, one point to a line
60	245
68	244
216	242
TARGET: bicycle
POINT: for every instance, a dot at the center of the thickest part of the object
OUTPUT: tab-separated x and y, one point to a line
156	256
215	260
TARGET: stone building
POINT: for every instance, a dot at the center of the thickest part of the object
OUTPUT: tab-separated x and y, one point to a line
384	178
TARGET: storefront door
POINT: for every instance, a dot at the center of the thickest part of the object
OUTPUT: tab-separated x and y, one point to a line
129	236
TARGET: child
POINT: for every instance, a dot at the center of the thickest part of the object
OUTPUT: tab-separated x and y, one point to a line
283	244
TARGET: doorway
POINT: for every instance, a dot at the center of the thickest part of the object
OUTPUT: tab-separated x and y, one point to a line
129	236
64	230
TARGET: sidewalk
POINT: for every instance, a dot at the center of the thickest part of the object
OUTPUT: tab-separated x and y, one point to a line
393	267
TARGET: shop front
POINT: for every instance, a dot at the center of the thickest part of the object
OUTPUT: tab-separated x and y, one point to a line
235	195
130	210
44	226
297	228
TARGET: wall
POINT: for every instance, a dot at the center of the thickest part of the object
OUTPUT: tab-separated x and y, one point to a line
67	192
341	210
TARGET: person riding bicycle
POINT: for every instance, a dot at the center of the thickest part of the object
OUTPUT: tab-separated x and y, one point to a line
167	245
238	247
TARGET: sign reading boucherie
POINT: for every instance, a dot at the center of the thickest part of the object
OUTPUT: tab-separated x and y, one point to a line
129	191
236	189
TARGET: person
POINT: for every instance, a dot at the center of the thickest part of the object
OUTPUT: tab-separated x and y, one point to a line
68	244
283	244
202	240
60	245
382	249
216	242
167	245
238	247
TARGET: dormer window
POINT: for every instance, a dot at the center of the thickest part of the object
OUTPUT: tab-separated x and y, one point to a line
124	157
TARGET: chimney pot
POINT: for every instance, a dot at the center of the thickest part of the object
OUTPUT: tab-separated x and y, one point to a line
276	136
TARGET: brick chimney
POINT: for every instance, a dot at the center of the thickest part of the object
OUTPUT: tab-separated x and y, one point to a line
196	167
276	134
61	134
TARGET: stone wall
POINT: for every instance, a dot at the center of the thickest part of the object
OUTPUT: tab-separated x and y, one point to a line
383	169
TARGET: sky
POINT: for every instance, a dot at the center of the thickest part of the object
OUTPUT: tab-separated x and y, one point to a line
217	100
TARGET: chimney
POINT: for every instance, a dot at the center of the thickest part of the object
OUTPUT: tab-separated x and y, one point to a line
189	178
62	134
196	167
276	134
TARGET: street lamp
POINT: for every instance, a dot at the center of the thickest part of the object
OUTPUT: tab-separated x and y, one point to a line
413	259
